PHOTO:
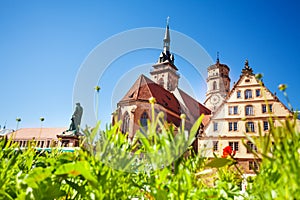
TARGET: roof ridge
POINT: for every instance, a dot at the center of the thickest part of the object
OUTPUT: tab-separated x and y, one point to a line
147	82
139	85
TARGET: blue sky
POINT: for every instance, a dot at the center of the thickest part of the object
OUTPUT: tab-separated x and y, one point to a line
44	43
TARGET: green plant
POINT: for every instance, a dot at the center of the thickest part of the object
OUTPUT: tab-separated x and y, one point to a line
158	164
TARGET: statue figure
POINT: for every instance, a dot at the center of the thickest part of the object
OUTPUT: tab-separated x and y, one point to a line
76	118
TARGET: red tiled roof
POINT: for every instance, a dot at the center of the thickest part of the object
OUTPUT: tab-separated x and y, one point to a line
144	88
193	105
37	133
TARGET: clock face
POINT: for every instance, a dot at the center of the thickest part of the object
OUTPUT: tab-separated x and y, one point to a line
215	99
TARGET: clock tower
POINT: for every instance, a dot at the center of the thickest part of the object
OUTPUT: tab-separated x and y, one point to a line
218	85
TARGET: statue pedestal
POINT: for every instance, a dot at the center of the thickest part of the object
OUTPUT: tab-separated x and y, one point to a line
69	138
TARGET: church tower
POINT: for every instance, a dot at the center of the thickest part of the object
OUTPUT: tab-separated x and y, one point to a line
218	85
164	72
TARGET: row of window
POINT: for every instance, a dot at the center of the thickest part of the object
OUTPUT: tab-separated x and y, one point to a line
248	94
235	146
249	111
249	126
39	143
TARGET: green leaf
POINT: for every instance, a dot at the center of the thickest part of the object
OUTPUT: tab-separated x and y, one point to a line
75	169
218	162
37	175
196	126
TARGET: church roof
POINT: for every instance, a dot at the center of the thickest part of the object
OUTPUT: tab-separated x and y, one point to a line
195	108
144	88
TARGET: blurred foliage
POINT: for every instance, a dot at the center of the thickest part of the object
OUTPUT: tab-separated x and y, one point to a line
156	164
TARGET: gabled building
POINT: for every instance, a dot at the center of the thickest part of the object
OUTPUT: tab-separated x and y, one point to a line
134	108
247	107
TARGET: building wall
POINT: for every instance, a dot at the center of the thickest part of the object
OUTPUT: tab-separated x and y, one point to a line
135	110
164	73
218	127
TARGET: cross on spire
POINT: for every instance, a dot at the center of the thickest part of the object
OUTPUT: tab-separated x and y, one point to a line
218	60
168	18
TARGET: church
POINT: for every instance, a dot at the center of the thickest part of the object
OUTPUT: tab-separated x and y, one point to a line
134	108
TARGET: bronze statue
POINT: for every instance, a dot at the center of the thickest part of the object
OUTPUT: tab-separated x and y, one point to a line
76	118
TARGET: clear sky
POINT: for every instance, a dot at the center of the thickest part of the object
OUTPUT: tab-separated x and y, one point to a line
44	43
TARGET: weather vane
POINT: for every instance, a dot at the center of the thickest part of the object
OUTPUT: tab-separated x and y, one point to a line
168	18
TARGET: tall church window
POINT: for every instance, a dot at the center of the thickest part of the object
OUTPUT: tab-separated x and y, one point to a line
214	85
248	94
143	119
126	120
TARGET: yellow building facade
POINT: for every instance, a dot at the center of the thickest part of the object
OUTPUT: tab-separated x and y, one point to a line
248	106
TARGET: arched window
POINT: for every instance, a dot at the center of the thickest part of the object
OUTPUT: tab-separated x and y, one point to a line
249	110
126	120
143	119
248	94
214	85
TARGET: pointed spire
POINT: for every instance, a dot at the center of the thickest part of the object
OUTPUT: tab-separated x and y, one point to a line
167	37
166	54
